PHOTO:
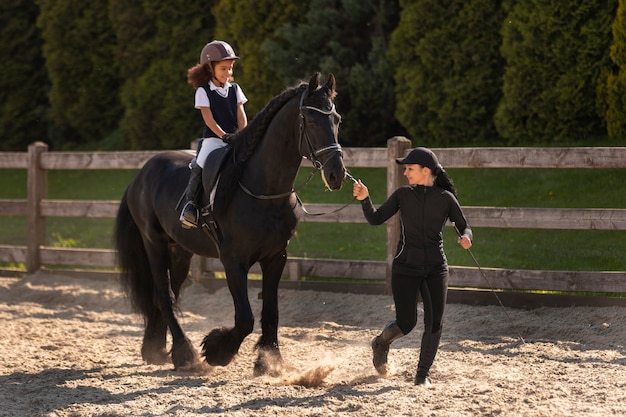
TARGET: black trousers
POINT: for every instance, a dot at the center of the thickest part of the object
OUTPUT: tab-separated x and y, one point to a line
408	284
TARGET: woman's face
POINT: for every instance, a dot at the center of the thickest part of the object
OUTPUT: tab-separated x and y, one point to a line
417	174
223	71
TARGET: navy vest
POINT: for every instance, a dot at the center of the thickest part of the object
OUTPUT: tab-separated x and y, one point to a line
224	110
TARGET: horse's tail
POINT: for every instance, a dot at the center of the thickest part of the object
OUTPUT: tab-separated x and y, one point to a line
135	275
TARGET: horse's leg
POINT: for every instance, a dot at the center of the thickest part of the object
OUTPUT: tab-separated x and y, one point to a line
221	345
153	349
165	264
183	352
269	359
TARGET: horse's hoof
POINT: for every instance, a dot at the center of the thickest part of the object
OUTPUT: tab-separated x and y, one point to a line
156	357
218	360
198	368
215	347
261	369
184	355
269	362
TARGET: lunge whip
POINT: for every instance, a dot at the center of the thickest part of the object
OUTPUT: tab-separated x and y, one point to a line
492	290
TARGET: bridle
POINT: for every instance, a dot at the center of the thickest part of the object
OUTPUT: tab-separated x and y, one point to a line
313	154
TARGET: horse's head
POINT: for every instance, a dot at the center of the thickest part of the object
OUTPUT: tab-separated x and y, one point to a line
319	130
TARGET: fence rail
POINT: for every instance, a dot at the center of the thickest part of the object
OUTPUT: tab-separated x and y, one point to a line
38	161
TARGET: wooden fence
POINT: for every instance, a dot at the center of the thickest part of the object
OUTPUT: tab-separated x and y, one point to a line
468	283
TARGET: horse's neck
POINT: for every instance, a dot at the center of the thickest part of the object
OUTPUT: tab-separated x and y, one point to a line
275	163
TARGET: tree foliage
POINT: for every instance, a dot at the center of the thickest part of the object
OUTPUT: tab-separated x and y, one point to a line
112	74
447	70
612	97
555	53
24	82
256	74
347	38
155	56
78	48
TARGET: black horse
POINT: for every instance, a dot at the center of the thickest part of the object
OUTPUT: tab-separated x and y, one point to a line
255	210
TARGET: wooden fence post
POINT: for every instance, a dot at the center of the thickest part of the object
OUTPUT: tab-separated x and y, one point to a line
396	148
37	190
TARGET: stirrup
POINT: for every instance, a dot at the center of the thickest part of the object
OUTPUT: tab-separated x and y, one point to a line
186	219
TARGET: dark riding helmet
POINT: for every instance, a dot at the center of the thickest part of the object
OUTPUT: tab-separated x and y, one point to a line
217	51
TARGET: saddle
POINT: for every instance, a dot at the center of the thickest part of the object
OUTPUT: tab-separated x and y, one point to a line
210	178
212	168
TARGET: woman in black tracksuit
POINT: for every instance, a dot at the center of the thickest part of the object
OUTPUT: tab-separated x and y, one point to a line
420	266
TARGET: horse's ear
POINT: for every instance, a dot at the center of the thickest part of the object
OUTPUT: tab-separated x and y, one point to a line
314	82
331	83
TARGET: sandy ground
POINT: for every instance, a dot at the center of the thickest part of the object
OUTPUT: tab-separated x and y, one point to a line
70	347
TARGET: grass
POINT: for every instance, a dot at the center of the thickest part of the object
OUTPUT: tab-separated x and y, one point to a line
575	250
66	184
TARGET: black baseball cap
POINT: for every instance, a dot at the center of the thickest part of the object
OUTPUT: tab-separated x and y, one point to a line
421	156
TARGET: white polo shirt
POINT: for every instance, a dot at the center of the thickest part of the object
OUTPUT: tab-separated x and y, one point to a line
202	99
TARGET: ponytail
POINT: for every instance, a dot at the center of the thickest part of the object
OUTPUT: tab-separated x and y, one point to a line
442	180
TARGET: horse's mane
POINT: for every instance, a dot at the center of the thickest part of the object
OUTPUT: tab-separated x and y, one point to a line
246	141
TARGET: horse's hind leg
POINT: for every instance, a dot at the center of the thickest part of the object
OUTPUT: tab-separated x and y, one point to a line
183	352
169	269
269	360
154	339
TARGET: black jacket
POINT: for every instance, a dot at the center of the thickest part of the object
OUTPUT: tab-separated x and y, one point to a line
423	214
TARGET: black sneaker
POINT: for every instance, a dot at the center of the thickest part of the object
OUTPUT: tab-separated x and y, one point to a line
422	380
380	350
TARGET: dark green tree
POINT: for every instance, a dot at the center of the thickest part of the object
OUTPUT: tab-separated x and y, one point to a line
348	38
245	24
613	91
78	48
448	70
24	82
555	54
157	43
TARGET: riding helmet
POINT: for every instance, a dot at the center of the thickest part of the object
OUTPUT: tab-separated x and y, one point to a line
217	51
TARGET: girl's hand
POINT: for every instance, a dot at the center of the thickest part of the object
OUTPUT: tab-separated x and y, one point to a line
465	242
360	191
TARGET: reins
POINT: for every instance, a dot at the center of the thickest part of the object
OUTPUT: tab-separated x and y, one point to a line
274	196
349	176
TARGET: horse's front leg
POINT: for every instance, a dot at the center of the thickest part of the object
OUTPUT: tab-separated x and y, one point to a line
269	360
221	345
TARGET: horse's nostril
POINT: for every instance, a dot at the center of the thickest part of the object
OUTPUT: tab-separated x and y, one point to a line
335	181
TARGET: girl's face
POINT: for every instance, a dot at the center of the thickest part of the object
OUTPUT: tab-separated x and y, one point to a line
223	71
418	175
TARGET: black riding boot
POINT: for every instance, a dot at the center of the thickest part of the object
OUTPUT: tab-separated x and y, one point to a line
381	343
189	215
428	351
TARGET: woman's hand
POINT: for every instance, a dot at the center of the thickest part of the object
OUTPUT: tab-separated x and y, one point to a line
465	242
360	191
